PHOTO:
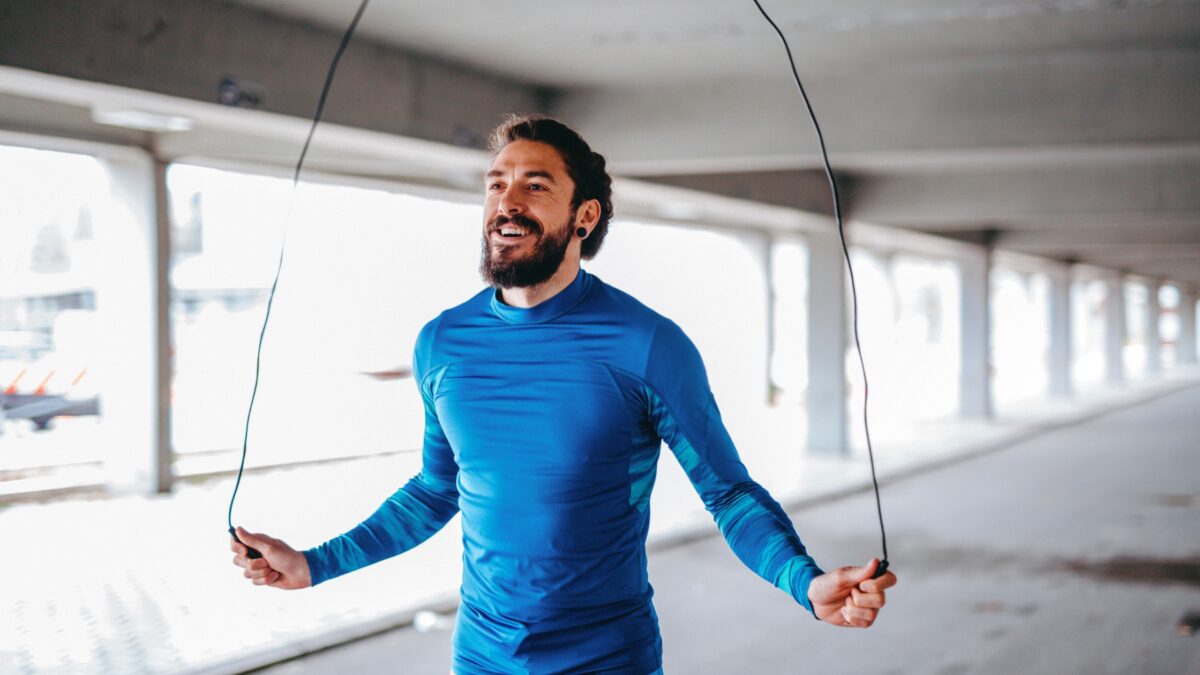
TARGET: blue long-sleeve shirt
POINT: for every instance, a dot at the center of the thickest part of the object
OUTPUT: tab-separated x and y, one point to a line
543	427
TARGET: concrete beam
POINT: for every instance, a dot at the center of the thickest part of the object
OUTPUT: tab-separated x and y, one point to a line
1101	235
804	190
1165	251
945	113
1177	269
185	48
1116	255
1115	193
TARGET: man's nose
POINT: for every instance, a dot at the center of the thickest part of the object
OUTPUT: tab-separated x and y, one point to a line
510	202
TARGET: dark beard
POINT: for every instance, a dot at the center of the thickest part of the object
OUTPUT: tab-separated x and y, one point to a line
534	268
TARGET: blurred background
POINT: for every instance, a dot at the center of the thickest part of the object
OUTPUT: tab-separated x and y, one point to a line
1021	181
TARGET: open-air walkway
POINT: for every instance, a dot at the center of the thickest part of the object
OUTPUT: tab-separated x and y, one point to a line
1076	551
1071	544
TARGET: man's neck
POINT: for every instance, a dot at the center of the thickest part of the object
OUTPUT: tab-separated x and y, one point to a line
530	296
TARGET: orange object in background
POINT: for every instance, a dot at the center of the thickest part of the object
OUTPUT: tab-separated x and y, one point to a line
12	386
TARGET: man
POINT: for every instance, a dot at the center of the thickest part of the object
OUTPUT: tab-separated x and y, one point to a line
547	397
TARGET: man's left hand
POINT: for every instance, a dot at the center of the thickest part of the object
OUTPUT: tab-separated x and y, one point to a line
848	596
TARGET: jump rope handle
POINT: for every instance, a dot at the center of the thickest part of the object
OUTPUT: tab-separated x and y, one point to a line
250	553
879	571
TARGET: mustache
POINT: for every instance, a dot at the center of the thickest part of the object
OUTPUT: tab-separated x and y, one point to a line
526	222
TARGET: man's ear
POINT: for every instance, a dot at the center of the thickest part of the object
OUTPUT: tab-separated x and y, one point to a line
589	213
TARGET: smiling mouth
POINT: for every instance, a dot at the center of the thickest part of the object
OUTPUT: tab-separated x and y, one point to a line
511	237
512	230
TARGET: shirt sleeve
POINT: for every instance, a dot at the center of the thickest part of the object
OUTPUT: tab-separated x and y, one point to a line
682	408
413	513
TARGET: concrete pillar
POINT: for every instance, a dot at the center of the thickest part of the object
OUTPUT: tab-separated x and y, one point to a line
767	262
132	299
1185	351
975	385
163	470
1153	339
1114	329
1059	355
827	339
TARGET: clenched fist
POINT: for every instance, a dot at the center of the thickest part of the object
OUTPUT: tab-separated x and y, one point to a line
280	566
848	596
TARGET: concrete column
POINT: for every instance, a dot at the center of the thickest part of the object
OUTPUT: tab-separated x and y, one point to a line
766	260
1058	360
827	339
1114	329
163	470
1153	339
1185	351
132	299
975	386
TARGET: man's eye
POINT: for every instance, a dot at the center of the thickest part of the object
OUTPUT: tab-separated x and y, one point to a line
494	186
536	186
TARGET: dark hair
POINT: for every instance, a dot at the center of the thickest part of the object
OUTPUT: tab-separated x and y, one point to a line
586	168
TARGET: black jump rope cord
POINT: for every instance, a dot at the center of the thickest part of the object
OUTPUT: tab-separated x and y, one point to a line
337	57
837	212
837	215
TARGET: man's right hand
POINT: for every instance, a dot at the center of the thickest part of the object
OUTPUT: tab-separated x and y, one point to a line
280	566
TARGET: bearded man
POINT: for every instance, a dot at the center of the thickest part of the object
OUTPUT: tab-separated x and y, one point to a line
547	398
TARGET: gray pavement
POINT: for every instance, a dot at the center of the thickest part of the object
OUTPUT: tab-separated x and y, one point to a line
1077	551
143	584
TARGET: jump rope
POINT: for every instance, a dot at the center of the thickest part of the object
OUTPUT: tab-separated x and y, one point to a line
337	58
837	215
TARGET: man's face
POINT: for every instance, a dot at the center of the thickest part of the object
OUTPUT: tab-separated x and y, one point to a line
527	216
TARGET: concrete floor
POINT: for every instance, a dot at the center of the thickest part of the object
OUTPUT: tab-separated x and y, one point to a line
1075	552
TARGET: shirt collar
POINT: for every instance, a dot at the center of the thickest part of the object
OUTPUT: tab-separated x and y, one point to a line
548	309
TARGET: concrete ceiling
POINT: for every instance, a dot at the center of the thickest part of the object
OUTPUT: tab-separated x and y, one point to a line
634	43
1071	124
1062	128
